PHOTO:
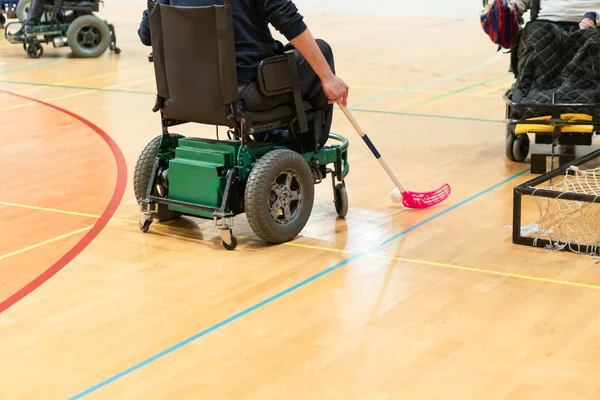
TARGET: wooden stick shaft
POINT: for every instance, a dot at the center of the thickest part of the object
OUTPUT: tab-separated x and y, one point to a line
371	146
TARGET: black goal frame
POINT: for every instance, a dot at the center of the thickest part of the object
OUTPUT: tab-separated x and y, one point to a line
529	188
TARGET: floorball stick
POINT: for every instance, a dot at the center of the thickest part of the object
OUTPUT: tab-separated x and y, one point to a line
409	199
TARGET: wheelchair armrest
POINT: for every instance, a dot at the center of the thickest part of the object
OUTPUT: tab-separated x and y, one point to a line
279	74
276	74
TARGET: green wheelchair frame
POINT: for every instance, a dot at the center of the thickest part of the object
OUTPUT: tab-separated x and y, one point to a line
220	179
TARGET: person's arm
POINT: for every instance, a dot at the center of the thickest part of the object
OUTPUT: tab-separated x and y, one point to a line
144	30
335	89
284	16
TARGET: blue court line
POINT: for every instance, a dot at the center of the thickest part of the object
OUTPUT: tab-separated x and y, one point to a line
290	289
427	84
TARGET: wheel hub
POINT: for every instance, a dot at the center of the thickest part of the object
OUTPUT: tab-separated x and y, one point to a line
89	36
285	197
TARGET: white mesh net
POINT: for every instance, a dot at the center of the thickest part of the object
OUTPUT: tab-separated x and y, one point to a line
569	223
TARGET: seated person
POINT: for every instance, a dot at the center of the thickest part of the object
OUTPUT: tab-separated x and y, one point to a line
570	14
546	72
254	43
36	10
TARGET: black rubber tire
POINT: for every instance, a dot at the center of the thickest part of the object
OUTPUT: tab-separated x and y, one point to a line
145	227
88	21
520	148
510	130
35	50
234	244
2	19
510	140
141	176
341	200
256	197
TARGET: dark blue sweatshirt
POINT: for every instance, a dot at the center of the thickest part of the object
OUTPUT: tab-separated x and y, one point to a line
251	19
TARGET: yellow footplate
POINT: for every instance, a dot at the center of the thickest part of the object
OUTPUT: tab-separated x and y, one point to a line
521	129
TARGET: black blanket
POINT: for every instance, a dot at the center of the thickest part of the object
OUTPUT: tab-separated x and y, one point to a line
560	62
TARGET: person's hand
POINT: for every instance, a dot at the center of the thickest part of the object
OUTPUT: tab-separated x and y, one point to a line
587	23
336	90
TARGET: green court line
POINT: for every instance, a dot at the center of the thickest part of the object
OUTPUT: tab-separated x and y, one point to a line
406	114
464	89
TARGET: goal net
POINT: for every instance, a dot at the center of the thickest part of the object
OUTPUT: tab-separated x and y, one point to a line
567	203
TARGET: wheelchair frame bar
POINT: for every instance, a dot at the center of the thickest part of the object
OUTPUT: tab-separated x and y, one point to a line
555	108
550	105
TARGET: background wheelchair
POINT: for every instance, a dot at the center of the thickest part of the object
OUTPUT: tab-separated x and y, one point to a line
194	62
562	125
8	9
73	24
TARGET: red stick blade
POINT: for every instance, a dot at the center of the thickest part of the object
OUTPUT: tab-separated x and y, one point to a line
427	199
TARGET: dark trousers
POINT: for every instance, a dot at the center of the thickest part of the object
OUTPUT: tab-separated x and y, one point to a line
36	10
310	84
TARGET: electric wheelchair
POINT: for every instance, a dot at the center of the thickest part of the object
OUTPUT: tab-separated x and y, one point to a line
193	54
69	23
556	96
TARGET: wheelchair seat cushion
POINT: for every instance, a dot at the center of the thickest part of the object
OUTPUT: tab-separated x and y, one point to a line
557	63
282	112
276	114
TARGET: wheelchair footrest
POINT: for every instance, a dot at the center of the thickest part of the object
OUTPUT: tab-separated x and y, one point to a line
521	129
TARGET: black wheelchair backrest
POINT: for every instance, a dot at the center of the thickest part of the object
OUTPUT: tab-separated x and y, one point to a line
194	62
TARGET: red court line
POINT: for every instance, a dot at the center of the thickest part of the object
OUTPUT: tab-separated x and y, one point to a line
107	214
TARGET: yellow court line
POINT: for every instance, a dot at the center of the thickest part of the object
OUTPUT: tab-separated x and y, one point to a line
17	106
79	214
4	203
57	211
330	249
102	75
456	267
497	88
31	103
35	246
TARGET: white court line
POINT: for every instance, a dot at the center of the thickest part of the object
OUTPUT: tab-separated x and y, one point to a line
427	84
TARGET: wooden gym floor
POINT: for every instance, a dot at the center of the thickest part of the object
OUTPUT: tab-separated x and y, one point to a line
388	304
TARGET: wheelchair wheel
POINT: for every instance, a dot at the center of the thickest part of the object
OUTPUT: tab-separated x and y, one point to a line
143	172
34	50
88	36
520	148
510	140
2	19
23	10
340	196
279	196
